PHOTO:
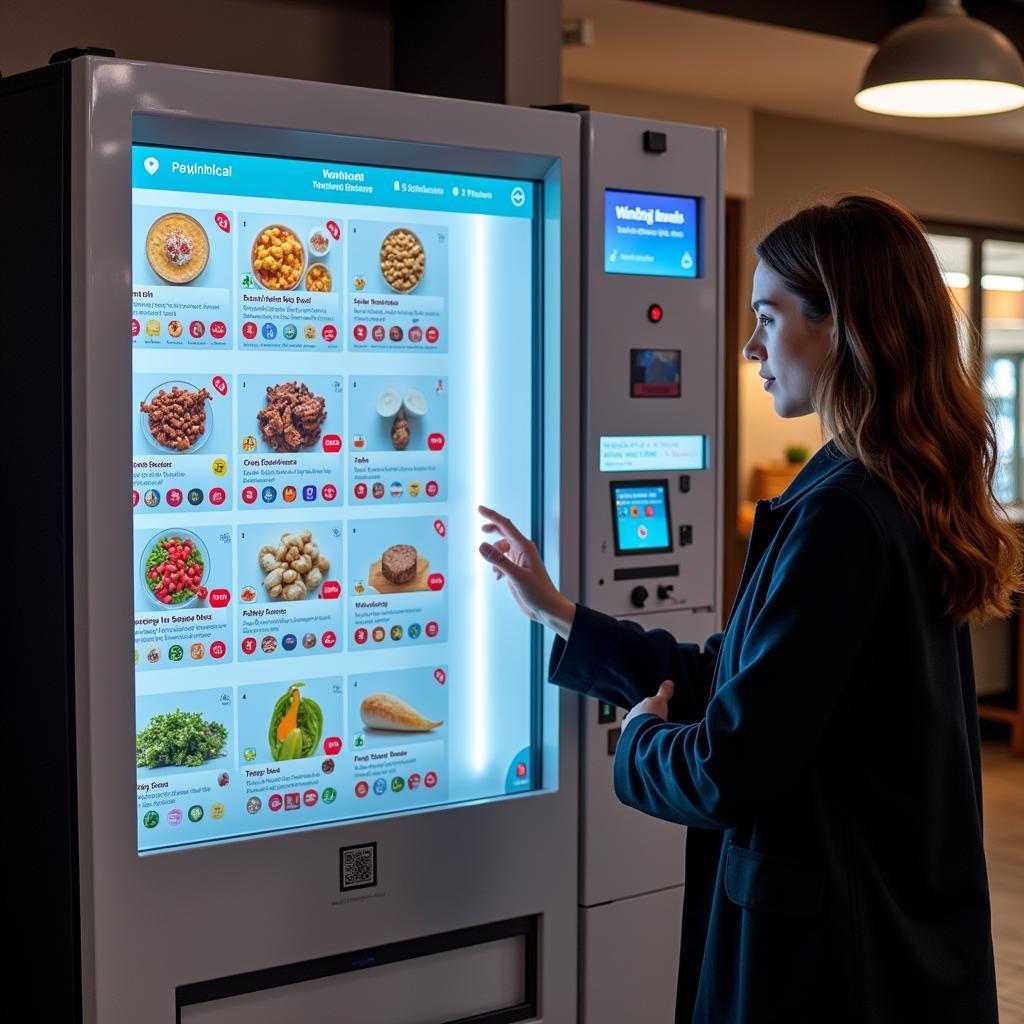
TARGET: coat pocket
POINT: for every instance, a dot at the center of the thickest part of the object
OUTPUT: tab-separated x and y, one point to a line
760	881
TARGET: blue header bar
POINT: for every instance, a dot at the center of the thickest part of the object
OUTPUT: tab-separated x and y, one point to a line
272	177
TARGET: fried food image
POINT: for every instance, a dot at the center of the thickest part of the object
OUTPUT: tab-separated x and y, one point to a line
278	258
402	260
177	418
292	418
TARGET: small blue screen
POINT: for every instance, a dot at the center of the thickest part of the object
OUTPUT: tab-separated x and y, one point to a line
641	518
651	235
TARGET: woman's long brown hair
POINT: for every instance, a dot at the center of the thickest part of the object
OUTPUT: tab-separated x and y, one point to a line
898	392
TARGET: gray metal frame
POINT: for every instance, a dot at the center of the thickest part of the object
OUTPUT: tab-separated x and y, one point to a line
152	923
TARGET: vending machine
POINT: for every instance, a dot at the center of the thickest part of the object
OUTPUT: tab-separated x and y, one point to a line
652	506
309	328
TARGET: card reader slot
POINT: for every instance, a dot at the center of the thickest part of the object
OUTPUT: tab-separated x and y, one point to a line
647	572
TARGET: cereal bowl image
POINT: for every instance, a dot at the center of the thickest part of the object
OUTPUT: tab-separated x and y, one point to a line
278	258
402	260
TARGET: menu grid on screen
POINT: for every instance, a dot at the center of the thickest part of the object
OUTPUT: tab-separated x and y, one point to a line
314	414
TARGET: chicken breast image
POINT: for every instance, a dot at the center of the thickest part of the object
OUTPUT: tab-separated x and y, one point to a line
383	711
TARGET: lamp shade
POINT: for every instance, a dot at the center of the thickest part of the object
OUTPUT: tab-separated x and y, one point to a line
943	64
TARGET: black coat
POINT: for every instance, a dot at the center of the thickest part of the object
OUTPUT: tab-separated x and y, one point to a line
823	751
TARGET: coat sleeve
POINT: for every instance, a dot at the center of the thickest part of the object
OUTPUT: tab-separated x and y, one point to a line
766	720
620	663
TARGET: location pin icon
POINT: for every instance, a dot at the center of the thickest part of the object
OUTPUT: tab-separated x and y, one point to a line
151	164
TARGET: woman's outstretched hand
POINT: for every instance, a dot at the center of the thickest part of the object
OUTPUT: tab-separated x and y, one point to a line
517	559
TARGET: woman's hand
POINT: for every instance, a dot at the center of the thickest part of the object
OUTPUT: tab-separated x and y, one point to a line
517	559
656	705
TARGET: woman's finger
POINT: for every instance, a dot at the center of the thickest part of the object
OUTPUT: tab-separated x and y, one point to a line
496	557
505	525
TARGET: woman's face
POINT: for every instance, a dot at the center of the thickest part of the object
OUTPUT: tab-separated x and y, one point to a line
789	347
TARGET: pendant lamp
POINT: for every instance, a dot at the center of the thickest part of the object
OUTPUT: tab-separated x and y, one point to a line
943	64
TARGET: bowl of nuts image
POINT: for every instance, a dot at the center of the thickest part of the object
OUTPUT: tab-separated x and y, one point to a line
402	260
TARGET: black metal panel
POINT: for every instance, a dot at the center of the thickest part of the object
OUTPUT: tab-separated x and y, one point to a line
42	820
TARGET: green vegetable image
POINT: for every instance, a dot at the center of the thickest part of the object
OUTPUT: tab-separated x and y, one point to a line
179	739
295	726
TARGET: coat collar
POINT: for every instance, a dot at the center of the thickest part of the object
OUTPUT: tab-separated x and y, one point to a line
827	461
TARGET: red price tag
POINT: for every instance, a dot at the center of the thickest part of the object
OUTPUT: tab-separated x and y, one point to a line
220	385
332	745
174	497
248	645
328	639
220	598
223	223
439	527
329	333
217	496
430	780
432	629
432	490
329	492
359	332
361	636
433	334
218	649
249	330
331	443
310	797
249	495
334	230
439	675
435	581
218	329
330	589
360	491
435	442
362	789
276	802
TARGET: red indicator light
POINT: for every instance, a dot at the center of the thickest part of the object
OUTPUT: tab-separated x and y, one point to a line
655	313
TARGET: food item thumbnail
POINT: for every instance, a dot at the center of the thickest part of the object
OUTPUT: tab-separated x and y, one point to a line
295	726
318	278
174	571
177	248
399	563
180	739
385	711
278	258
177	418
319	242
402	260
293	417
400	432
295	568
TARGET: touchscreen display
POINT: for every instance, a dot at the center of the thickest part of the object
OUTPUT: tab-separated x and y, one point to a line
314	417
652	235
641	517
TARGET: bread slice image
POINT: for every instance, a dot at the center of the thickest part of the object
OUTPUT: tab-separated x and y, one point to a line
383	711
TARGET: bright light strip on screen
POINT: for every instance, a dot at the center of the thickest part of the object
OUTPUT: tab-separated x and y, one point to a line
1002	283
954	279
480	441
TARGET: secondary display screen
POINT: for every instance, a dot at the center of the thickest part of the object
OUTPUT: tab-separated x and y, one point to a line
645	453
641	517
314	416
654	373
651	235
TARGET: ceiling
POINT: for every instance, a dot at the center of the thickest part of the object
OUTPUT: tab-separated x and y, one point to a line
664	48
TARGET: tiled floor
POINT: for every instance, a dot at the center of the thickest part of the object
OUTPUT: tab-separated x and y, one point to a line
1003	790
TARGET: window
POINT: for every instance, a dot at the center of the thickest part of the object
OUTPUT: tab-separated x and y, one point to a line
984	271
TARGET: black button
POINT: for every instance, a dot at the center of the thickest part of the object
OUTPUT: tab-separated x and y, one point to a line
655	142
684	484
639	595
613	740
685	536
605	713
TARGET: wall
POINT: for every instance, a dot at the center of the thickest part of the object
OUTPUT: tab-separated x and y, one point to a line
736	120
348	41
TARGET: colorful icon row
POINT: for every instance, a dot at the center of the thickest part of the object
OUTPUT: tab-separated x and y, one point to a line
152	498
379	333
176	652
379	633
397	784
176	328
268	331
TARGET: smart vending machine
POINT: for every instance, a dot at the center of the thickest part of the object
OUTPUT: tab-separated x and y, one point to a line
309	328
652	505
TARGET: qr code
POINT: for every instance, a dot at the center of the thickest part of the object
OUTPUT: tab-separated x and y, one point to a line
358	866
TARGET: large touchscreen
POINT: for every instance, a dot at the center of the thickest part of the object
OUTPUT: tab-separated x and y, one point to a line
325	360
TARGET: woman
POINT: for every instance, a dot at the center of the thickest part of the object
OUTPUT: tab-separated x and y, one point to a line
823	749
